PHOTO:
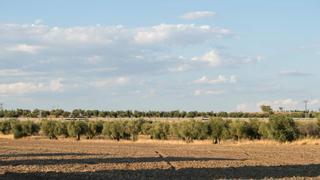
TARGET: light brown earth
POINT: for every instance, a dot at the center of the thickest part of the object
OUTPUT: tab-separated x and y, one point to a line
103	159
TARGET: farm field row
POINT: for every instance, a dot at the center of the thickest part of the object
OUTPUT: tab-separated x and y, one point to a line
30	158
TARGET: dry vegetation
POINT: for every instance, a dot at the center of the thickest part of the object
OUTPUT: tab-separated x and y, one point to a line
30	158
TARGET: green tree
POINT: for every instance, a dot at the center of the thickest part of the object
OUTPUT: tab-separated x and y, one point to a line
160	130
24	128
283	128
77	128
5	126
217	128
266	109
94	128
50	129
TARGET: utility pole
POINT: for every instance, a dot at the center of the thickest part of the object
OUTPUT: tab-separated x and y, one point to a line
306	108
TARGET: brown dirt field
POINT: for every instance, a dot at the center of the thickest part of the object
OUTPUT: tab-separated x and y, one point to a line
104	159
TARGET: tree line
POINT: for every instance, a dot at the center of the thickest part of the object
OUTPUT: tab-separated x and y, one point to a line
80	113
279	127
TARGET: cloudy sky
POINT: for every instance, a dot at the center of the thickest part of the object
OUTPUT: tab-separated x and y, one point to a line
165	55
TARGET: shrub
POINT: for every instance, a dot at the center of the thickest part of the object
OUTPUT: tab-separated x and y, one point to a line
116	130
50	129
17	131
251	129
146	128
77	128
62	128
236	129
186	130
159	130
217	129
94	129
134	128
5	126
308	129
283	128
24	128
264	130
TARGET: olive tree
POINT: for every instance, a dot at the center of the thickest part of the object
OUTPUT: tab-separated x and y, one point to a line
77	128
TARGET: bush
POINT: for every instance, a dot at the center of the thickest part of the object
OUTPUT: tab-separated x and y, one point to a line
218	128
62	128
159	130
146	128
5	126
251	130
264	130
283	128
24	128
245	130
134	128
50	129
94	129
77	128
116	130
308	129
190	130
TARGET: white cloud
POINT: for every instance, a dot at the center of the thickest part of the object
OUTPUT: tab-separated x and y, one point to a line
314	102
244	107
199	92
111	82
218	80
25	48
30	87
178	34
56	85
198	15
275	104
212	58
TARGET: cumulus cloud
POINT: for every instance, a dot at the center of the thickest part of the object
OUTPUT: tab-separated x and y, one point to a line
198	15
220	79
212	58
199	92
178	34
30	87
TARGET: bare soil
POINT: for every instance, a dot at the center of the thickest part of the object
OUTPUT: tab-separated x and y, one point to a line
103	159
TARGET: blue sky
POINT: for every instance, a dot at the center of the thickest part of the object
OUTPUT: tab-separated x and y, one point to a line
165	55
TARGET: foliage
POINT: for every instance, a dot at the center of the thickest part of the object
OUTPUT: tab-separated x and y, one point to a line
308	129
6	126
217	129
77	128
94	128
283	128
24	128
159	130
116	130
50	128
